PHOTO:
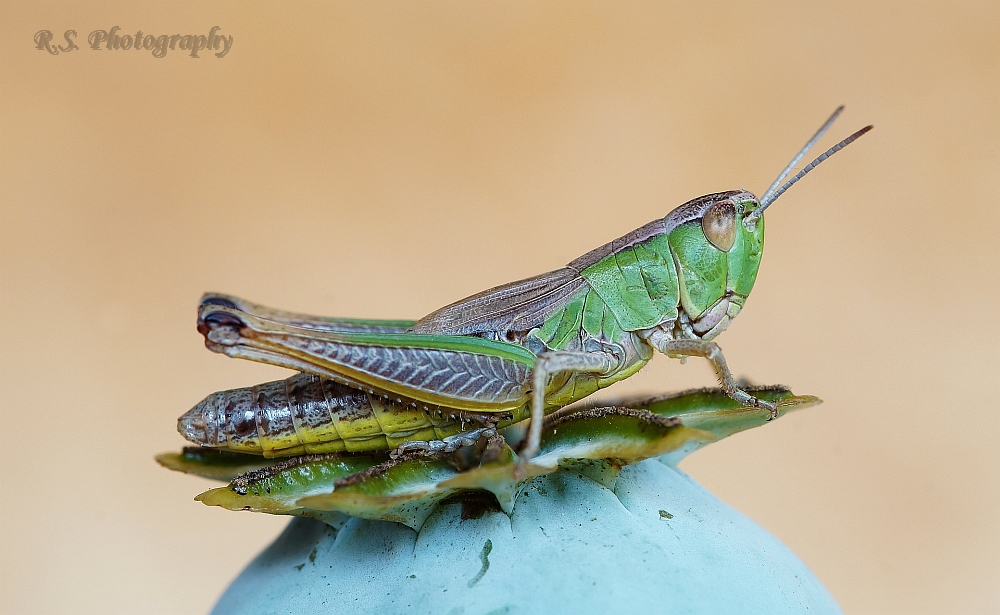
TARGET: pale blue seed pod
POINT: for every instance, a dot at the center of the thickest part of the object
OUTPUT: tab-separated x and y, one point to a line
656	543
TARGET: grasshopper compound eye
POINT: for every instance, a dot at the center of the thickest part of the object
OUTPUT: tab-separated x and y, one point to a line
719	225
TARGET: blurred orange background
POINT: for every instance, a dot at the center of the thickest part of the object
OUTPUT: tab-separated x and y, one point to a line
384	159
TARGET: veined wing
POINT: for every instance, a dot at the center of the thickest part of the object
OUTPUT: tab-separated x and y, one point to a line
305	321
523	305
464	373
518	306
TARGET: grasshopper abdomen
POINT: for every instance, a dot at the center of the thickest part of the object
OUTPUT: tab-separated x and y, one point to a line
310	414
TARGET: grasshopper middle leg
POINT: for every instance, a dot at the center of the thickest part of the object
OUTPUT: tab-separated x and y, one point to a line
547	364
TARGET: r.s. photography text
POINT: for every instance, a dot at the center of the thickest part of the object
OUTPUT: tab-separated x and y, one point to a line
158	45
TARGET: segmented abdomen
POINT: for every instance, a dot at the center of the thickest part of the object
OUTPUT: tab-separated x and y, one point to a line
309	414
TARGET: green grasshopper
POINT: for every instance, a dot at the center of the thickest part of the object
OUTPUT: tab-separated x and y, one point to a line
516	351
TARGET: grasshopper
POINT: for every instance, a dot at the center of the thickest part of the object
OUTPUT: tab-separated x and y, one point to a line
514	352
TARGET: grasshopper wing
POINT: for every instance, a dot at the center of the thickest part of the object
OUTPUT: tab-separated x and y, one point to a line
514	307
464	373
305	321
521	306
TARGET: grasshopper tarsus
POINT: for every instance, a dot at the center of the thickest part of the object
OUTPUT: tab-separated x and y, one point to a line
772	410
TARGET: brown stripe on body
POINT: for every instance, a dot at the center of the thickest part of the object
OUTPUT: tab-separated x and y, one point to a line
352	414
310	411
274	419
213	410
340	403
239	421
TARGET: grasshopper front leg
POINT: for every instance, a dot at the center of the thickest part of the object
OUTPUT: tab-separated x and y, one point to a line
711	351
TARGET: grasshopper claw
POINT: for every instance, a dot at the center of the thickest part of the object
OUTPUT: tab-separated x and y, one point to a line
771	408
754	402
751	401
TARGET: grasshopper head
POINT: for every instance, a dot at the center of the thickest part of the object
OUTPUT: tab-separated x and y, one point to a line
717	249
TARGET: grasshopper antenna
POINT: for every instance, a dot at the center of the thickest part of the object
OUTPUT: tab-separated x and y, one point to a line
809	167
766	197
773	192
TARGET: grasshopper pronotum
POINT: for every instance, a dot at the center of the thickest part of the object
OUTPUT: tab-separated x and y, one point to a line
513	352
